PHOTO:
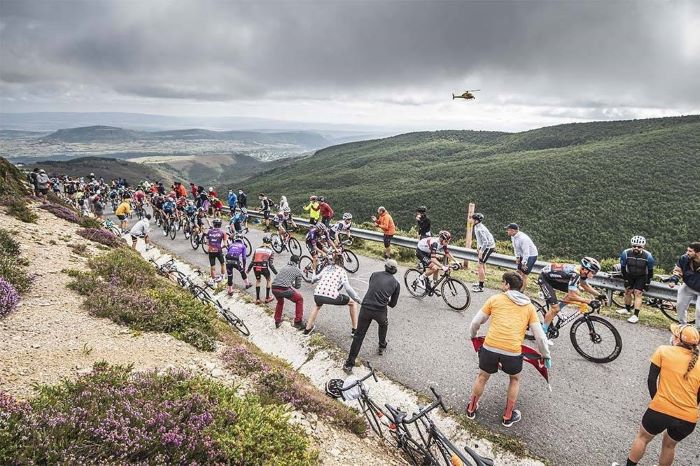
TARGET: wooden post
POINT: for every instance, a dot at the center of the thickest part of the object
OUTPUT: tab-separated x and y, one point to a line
470	232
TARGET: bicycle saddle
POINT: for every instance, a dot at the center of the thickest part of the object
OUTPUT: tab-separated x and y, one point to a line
397	414
478	459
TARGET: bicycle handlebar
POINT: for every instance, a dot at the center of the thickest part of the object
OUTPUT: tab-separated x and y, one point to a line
439	398
359	381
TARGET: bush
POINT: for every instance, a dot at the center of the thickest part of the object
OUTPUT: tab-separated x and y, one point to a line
116	417
17	207
8	244
101	236
12	266
61	212
8	298
90	222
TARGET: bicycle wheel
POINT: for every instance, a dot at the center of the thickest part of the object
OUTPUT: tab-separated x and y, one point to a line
455	294
248	246
294	246
173	229
307	268
200	293
277	243
416	454
233	320
350	261
370	412
194	241
599	341
414	285
669	310
187	230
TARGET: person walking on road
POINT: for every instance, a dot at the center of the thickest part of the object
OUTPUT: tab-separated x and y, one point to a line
216	239
285	286
383	291
313	210
674	387
688	268
510	313
386	223
331	280
525	251
485	245
637	267
261	265
423	222
235	259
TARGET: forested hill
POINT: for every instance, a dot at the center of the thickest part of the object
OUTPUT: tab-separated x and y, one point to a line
577	189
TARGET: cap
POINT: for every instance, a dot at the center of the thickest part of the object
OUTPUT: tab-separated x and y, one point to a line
686	333
513	226
391	266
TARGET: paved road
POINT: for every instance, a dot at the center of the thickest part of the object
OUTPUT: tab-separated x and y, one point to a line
589	418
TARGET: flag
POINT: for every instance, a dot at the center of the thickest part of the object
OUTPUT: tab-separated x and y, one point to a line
529	355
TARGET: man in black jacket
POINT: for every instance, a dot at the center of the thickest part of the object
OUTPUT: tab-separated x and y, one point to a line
383	291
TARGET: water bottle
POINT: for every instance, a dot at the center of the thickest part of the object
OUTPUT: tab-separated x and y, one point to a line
384	420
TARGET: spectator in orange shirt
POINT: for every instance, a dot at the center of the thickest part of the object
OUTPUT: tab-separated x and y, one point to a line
386	223
180	190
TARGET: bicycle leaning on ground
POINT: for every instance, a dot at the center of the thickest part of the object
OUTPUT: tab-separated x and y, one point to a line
429	447
453	291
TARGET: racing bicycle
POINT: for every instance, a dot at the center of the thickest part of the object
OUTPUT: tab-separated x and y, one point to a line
453	291
289	243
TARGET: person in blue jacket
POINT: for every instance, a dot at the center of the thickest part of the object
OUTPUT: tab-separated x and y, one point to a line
232	201
637	265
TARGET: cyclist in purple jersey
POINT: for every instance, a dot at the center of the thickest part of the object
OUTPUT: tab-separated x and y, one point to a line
216	238
236	259
317	239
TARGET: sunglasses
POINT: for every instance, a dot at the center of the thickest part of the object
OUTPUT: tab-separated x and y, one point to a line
637	247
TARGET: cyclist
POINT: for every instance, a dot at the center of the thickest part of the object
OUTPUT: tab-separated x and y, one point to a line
200	218
216	206
568	278
235	259
278	222
511	313
485	245
169	208
190	211
157	203
216	239
261	265
238	221
285	286
674	387
317	239
427	252
123	211
637	267
342	227
330	281
688	268
423	222
525	251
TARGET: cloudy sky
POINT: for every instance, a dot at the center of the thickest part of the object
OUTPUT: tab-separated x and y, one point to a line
389	63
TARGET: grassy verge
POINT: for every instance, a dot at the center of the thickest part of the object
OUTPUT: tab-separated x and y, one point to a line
113	416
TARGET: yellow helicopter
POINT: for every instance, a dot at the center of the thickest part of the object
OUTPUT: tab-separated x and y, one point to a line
467	95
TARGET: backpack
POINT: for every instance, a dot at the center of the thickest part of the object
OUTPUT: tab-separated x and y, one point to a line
636	265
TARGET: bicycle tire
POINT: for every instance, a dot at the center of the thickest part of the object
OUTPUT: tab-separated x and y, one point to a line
294	246
277	243
350	261
416	453
410	279
194	241
670	311
368	410
173	230
596	338
187	230
235	321
248	246
306	267
201	293
451	291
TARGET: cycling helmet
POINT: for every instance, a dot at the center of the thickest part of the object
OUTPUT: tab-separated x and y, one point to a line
321	226
445	235
217	223
333	388
478	217
422	209
347	216
267	240
591	264
638	241
244	210
322	199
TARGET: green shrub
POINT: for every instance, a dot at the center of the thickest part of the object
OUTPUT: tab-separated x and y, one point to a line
18	208
12	265
90	222
112	416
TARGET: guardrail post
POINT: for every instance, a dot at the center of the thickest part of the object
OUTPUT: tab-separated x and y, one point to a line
470	227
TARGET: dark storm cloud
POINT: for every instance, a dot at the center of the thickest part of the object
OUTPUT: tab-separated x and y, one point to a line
601	53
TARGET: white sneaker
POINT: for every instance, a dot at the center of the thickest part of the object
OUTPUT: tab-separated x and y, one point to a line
633	319
477	289
623	311
549	342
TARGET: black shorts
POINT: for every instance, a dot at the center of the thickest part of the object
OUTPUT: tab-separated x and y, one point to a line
313	250
635	283
136	237
266	214
655	422
489	361
341	300
485	254
526	267
214	256
387	240
121	217
548	286
423	257
261	273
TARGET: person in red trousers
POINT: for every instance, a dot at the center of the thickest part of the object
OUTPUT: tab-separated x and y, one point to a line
285	286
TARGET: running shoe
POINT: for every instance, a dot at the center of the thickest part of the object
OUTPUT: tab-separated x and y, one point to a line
472	414
309	331
477	289
278	324
514	417
299	325
633	319
380	350
347	369
623	311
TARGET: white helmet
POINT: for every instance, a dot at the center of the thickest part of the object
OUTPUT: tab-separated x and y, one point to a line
347	216
638	241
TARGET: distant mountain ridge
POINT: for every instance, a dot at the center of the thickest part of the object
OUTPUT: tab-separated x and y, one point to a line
577	189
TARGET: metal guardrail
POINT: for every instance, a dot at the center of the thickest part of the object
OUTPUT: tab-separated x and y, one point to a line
602	280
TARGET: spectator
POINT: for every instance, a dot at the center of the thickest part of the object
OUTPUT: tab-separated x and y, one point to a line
383	291
313	210
525	251
326	211
265	206
242	199
212	193
284	286
688	268
637	267
42	183
386	223
232	201
193	190
32	177
485	245
122	211
180	190
141	230
98	205
423	222
674	387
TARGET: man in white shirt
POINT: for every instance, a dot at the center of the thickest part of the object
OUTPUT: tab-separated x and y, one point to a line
141	230
485	245
525	251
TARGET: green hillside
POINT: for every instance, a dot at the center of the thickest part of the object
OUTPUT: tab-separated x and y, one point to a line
577	189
